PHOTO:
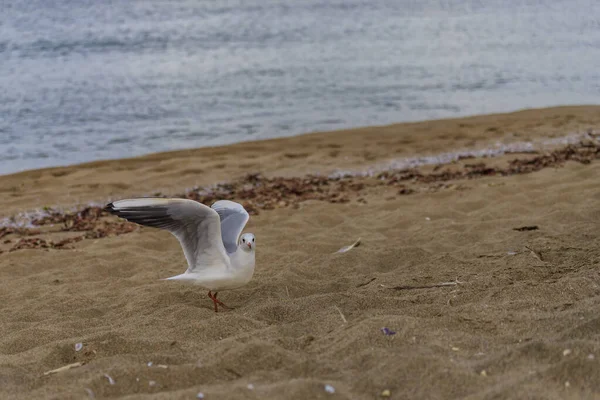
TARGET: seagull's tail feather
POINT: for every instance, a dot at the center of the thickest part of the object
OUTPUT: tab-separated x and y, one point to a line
180	277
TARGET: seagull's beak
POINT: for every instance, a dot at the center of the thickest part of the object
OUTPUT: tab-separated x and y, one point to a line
249	245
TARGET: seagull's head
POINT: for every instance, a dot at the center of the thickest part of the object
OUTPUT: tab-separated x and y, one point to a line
247	242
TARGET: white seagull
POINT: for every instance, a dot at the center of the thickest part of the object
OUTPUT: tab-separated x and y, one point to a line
218	257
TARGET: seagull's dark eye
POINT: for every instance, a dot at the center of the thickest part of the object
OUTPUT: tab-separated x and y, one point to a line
252	239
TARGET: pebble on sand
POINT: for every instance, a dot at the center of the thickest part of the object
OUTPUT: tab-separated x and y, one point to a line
387	331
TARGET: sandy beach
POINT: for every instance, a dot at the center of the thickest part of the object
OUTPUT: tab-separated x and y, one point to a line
476	276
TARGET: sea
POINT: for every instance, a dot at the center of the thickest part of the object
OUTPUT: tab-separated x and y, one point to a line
84	80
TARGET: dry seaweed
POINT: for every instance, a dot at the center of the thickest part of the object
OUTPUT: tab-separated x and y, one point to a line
257	192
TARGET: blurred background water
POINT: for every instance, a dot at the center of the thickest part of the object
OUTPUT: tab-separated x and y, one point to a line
84	79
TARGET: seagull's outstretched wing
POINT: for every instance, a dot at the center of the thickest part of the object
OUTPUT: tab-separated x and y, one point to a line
233	219
196	226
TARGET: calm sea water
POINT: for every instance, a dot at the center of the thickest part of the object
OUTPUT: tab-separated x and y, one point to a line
86	79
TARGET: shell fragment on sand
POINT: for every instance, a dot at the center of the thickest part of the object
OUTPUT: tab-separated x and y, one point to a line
387	331
110	379
341	315
350	247
329	389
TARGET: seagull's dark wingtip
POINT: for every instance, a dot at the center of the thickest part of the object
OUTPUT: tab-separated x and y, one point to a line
110	208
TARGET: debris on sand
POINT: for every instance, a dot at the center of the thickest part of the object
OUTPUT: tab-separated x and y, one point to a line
64	368
387	331
526	228
341	314
257	192
110	380
349	247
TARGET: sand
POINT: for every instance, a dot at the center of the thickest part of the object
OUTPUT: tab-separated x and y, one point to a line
488	281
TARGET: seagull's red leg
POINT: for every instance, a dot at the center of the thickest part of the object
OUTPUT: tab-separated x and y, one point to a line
214	299
219	301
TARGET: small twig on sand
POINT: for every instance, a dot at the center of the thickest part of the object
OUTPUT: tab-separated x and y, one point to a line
437	285
234	372
341	315
64	368
288	292
534	253
365	283
526	228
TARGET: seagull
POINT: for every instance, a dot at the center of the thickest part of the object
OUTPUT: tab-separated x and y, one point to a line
218	257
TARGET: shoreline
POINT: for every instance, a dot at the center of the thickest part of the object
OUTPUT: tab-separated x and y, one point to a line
257	192
314	153
179	152
397	165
